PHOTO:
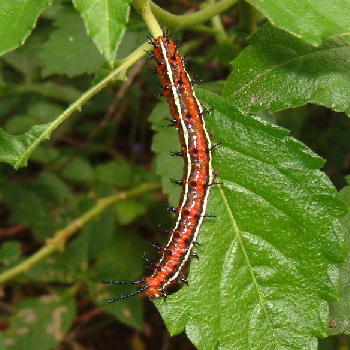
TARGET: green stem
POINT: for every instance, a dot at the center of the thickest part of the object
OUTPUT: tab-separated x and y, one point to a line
178	22
247	17
58	241
75	106
145	11
220	33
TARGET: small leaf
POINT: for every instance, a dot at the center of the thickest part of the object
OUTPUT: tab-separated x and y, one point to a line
310	20
278	71
16	150
267	263
17	20
108	31
69	50
36	319
340	310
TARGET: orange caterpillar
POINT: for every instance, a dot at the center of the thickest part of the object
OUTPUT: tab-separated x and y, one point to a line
187	117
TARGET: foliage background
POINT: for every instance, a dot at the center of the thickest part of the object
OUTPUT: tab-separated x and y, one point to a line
262	58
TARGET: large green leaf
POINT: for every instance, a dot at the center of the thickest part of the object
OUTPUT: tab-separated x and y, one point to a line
340	310
69	50
105	21
17	19
311	20
39	323
267	262
278	71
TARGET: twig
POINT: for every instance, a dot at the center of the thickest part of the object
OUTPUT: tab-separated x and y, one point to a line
108	115
58	241
13	230
178	22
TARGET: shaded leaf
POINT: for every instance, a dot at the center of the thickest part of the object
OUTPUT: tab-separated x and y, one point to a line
114	173
120	260
128	210
43	204
26	58
267	262
79	170
108	31
62	93
17	20
47	317
310	20
69	50
278	71
38	113
9	253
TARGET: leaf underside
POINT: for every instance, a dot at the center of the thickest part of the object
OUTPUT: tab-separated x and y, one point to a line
267	262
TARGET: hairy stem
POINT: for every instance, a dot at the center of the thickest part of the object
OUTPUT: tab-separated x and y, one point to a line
58	241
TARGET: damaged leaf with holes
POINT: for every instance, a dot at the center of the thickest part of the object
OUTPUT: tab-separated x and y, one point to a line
39	323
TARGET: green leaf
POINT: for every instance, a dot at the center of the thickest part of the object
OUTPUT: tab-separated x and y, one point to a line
38	113
101	232
128	210
16	150
278	71
9	253
26	58
62	93
310	20
109	29
39	323
120	260
114	173
56	269
69	50
267	262
17	20
340	310
79	170
43	203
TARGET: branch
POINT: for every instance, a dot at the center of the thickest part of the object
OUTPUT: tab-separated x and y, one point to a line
58	241
77	105
178	22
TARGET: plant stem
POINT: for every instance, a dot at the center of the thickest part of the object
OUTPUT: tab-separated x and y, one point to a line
178	22
58	241
220	34
75	106
145	11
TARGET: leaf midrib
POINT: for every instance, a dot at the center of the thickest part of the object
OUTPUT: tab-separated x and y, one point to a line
246	86
238	238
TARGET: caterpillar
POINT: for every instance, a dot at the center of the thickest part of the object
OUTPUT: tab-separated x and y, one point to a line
188	118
